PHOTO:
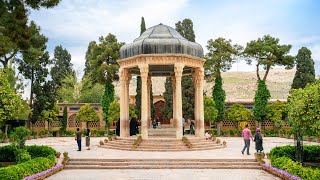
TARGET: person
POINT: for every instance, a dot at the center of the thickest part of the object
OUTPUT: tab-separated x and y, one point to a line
191	126
154	124
118	128
207	135
78	138
134	129
183	122
246	134
88	138
258	140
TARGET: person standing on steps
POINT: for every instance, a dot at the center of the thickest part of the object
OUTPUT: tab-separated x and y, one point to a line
78	138
246	134
88	138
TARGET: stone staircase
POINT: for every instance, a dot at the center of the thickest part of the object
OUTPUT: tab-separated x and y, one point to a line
162	145
162	132
162	164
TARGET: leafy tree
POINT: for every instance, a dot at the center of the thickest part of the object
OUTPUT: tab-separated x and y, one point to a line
34	62
185	28
237	113
25	111
210	111
113	112
107	98
64	119
61	65
168	99
10	102
87	114
70	89
261	101
50	113
20	136
219	97
132	111
102	59
267	52
15	33
92	95
277	113
305	69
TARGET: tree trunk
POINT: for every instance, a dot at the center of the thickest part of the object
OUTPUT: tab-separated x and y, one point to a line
31	91
218	128
267	72
259	124
257	71
6	131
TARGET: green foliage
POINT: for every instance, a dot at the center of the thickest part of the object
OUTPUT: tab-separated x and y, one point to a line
7	153
168	99
10	102
277	112
304	109
296	168
20	136
64	119
305	69
138	97
114	112
92	95
142	26
311	152
24	112
50	113
132	111
25	169
219	97
22	156
61	66
107	98
40	151
268	53
185	28
261	99
69	90
220	57
87	114
210	111
101	59
237	112
187	97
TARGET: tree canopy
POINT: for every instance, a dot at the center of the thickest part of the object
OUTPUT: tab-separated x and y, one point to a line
185	28
277	113
305	69
219	97
237	112
210	111
87	114
267	52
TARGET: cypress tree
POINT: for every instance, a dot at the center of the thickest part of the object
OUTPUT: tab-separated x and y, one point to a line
64	119
107	98
168	99
261	99
142	26
305	69
138	97
219	97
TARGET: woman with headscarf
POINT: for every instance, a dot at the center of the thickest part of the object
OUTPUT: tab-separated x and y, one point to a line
258	140
88	138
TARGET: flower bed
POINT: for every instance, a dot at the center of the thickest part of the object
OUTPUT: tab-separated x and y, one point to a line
46	173
278	172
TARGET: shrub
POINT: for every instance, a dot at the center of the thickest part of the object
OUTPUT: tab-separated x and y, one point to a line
101	132
22	156
311	153
25	169
40	151
7	153
20	136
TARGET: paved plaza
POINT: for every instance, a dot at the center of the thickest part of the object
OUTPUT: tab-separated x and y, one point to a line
232	151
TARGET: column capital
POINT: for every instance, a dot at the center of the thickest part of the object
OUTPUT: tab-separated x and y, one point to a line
124	74
178	69
144	70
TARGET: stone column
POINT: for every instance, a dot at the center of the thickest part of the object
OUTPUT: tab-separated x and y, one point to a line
178	69
149	103
200	75
124	108
196	105
127	99
173	80
144	68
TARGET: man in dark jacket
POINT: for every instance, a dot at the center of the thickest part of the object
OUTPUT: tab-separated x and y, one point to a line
78	138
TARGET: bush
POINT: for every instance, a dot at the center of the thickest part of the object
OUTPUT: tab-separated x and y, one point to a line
69	133
40	151
2	136
25	169
22	156
20	136
7	153
101	132
311	153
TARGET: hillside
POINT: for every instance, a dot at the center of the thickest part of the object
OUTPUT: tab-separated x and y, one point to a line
238	85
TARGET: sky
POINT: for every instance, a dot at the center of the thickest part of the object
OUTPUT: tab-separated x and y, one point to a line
74	23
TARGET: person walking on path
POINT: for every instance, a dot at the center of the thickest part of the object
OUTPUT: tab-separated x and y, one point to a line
88	138
78	138
246	134
258	140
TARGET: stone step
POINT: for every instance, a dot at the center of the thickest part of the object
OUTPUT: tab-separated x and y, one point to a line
161	150
158	159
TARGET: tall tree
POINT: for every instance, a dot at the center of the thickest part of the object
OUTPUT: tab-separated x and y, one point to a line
185	28
15	32
267	52
138	89
305	69
34	62
107	98
62	65
221	56
168	99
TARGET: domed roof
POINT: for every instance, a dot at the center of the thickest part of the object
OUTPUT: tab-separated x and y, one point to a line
161	39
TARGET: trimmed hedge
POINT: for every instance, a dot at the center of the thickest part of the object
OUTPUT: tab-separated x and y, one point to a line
295	168
7	153
40	151
28	168
310	153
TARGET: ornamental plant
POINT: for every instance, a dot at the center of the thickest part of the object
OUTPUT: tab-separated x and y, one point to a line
277	112
20	136
237	113
87	114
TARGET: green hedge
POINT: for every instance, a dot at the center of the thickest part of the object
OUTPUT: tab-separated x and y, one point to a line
295	168
7	153
40	151
28	168
310	153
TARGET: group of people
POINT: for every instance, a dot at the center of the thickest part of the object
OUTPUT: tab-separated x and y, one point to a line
246	134
78	138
